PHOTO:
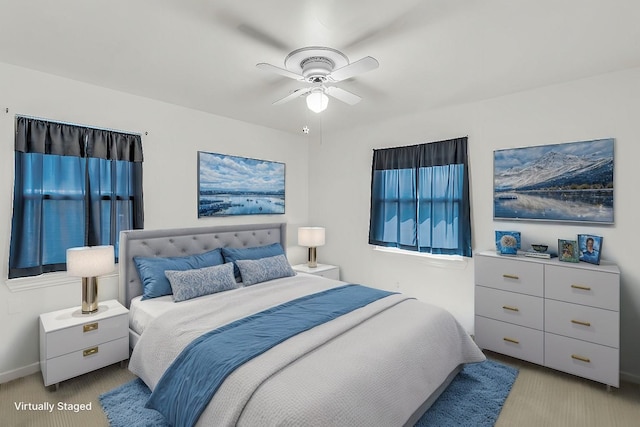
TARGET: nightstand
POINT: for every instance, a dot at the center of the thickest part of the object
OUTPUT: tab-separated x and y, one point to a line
72	343
324	270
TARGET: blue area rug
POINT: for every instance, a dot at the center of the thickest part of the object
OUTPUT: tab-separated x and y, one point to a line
474	398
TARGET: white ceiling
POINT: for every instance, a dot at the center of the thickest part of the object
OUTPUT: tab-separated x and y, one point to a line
202	54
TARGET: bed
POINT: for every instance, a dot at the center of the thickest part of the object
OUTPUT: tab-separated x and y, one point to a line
382	362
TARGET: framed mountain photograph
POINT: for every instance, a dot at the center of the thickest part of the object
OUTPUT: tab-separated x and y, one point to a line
559	182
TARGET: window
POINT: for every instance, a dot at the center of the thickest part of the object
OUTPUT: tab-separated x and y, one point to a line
74	186
420	198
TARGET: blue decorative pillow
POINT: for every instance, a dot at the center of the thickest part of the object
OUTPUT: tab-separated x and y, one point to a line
151	270
257	252
263	269
189	284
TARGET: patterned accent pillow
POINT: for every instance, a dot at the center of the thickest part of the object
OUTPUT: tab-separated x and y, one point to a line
263	269
187	284
256	252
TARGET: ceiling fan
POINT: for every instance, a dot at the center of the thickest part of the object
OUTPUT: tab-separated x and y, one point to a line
320	66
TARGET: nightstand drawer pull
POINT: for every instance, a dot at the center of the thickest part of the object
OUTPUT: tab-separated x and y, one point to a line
510	276
90	327
512	340
581	322
582	288
507	307
90	351
580	358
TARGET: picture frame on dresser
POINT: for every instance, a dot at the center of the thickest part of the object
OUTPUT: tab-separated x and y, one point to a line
590	248
508	242
568	250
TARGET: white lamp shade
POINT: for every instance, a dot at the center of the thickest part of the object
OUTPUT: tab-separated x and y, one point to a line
311	237
317	101
90	261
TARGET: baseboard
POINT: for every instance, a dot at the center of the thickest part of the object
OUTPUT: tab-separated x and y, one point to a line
24	371
632	378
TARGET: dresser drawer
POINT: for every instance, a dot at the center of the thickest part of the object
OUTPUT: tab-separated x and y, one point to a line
512	340
523	310
84	360
583	286
584	323
87	334
588	360
510	275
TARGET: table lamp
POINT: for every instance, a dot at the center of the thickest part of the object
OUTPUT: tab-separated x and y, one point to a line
89	262
311	237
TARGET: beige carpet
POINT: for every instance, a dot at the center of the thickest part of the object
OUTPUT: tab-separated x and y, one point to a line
540	397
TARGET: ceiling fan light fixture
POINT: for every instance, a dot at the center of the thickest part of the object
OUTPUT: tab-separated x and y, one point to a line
317	101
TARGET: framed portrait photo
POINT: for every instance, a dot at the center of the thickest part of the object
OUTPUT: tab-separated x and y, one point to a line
590	247
568	250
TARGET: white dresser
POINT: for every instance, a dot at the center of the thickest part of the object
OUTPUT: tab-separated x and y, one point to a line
562	315
72	343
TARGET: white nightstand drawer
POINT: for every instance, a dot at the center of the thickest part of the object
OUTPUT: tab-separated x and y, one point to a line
523	310
330	274
593	361
585	323
90	333
513	340
513	275
85	360
583	286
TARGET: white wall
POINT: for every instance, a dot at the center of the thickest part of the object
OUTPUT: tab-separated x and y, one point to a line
175	135
599	107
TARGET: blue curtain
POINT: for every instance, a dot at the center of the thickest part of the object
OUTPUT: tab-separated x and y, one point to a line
74	186
420	198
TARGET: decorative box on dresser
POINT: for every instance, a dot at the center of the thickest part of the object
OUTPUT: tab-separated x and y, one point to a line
323	270
72	343
562	315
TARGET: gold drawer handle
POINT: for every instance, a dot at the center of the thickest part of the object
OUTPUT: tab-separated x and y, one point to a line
90	327
582	288
580	358
506	307
510	276
513	340
90	351
581	322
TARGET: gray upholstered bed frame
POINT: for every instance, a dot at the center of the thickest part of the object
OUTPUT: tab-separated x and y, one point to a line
183	242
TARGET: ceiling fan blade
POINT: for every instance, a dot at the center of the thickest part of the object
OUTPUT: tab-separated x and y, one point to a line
268	67
343	95
293	95
363	65
241	22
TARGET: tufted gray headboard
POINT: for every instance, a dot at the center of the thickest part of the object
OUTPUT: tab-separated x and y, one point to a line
183	242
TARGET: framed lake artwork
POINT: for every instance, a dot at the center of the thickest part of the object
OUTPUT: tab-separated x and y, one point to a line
232	185
559	182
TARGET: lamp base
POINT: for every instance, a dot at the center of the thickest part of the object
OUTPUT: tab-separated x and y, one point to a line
313	261
89	295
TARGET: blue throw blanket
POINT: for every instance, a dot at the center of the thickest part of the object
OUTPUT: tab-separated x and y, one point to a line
188	385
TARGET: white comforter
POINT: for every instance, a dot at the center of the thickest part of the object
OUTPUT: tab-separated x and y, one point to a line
374	366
